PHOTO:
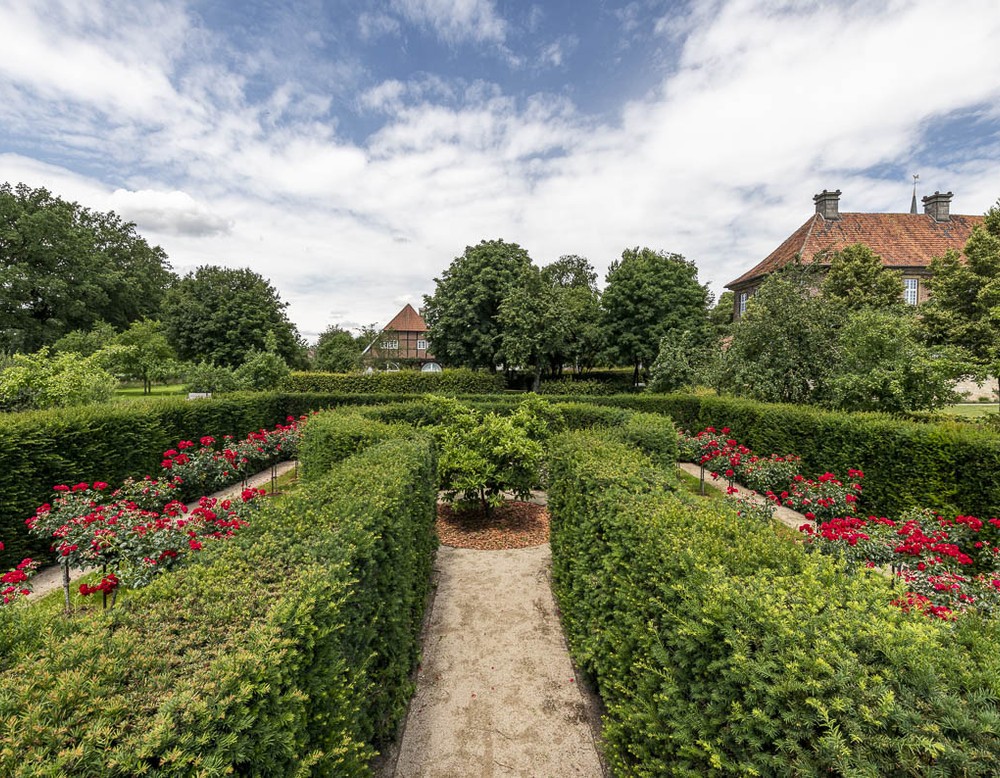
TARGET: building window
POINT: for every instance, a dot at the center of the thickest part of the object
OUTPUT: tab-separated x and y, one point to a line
422	345
390	345
910	288
743	302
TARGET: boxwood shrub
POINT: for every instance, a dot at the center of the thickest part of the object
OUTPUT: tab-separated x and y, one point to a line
285	651
721	649
452	381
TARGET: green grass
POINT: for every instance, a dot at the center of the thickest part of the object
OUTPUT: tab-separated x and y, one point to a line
971	410
135	392
692	484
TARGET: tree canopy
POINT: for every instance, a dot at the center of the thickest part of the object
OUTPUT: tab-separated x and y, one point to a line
64	267
219	315
964	307
649	295
858	279
462	314
337	351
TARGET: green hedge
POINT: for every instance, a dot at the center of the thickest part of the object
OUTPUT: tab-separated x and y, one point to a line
334	436
285	651
452	381
721	649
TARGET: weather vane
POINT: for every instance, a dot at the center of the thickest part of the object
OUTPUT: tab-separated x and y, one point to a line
913	202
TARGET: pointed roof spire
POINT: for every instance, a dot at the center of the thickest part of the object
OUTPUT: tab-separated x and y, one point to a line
913	202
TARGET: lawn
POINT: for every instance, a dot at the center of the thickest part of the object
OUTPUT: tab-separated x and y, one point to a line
971	410
135	392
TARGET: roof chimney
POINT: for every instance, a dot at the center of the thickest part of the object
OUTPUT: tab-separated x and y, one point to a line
938	206
828	204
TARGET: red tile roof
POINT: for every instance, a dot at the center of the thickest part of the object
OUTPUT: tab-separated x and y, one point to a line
901	239
407	320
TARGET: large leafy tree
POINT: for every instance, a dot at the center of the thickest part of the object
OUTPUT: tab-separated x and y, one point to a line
964	307
783	347
217	314
649	295
533	326
146	355
575	282
882	366
462	314
337	351
64	267
858	279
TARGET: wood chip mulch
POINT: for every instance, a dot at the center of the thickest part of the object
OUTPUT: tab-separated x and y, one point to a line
512	525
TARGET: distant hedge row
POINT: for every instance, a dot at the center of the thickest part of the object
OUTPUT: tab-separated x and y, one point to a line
452	381
285	651
720	649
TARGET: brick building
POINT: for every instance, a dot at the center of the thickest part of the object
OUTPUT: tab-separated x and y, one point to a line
402	342
907	242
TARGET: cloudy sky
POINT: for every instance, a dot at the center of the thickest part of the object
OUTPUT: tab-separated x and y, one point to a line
349	150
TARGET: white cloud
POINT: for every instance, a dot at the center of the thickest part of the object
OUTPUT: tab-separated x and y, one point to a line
170	213
456	21
768	104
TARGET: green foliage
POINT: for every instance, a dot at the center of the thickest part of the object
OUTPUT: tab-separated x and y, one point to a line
86	342
721	315
42	380
333	436
218	315
337	351
206	377
261	372
857	279
964	307
575	283
680	362
721	649
462	313
782	348
145	354
649	295
881	366
486	454
450	381
532	325
285	651
64	267
653	434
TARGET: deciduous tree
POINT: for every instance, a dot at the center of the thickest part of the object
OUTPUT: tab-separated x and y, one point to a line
337	351
64	267
219	315
858	279
650	294
462	314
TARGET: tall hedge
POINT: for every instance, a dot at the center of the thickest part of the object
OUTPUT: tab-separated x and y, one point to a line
452	381
721	649
285	651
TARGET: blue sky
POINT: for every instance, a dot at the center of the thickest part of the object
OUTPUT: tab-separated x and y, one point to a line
348	151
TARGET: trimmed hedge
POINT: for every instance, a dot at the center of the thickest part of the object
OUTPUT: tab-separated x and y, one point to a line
720	649
286	650
452	381
332	437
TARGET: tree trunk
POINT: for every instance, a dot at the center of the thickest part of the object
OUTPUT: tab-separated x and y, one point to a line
635	374
537	382
65	582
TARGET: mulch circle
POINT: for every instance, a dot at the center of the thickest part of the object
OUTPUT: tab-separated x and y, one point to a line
512	525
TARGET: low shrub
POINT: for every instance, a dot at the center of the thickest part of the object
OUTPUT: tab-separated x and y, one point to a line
721	649
654	434
285	651
452	381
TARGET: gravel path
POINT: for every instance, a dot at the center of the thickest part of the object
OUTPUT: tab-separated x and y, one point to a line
50	578
496	693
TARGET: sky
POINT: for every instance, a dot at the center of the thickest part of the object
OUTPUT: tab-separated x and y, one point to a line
349	151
